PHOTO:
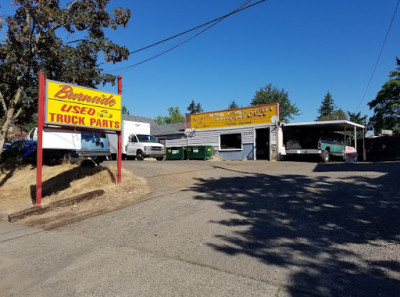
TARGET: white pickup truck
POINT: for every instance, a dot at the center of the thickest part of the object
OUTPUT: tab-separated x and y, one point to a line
141	146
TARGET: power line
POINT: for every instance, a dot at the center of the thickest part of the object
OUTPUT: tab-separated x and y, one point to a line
195	28
171	48
210	23
380	54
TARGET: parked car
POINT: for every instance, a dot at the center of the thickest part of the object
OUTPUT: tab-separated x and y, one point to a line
21	150
6	146
26	150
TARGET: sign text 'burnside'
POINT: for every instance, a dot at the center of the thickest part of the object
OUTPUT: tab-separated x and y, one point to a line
77	106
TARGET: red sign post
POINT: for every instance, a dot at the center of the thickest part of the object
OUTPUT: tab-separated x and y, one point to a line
119	158
39	159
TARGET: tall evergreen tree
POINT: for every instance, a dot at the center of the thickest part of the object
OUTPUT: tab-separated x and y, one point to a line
233	105
194	108
327	106
124	110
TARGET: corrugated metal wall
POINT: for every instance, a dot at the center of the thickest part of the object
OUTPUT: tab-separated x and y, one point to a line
175	141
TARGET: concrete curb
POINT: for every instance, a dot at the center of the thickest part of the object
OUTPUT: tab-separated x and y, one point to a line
36	210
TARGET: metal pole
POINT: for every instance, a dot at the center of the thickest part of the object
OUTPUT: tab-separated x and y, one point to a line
355	137
39	156
345	141
364	132
277	132
277	140
119	154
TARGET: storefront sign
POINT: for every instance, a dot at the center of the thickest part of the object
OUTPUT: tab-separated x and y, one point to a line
261	114
71	105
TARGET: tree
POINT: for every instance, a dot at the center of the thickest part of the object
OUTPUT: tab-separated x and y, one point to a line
386	105
328	110
39	37
159	120
270	94
124	110
356	117
327	107
233	105
338	114
194	108
174	117
359	119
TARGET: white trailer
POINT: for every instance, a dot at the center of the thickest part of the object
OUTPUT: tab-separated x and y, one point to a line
65	144
127	128
55	139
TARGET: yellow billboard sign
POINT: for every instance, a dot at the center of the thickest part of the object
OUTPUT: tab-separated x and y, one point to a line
71	105
254	115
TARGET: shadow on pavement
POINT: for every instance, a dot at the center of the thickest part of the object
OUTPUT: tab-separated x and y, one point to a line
321	226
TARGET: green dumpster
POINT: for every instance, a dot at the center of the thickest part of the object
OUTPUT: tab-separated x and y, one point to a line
176	153
209	151
203	152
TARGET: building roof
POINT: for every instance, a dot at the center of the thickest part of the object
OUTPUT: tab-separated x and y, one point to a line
141	119
331	125
168	129
155	129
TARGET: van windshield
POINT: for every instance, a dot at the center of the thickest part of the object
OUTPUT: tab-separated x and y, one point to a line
146	138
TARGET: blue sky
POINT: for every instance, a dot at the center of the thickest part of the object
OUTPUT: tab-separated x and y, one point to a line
305	47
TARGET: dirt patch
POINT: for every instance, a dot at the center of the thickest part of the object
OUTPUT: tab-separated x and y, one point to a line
18	188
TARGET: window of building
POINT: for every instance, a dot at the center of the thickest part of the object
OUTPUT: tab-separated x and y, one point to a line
231	141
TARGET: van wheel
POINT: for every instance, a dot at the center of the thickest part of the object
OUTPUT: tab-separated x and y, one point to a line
325	156
159	158
139	156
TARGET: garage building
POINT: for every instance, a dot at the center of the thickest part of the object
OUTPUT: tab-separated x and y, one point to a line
247	133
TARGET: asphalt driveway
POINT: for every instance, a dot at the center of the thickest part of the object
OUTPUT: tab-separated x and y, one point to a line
224	229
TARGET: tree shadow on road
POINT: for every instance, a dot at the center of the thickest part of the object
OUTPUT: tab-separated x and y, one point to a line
320	226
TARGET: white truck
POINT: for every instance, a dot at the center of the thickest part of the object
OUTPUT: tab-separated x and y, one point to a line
72	144
136	142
